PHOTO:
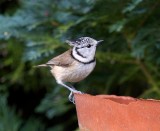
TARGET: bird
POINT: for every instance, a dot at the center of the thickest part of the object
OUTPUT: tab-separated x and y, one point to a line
74	64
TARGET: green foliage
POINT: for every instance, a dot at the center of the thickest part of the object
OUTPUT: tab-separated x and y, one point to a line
33	31
50	107
9	121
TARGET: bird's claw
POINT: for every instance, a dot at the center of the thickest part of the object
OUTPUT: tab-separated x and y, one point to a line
71	96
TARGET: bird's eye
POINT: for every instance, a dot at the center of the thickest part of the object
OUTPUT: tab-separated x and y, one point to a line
88	46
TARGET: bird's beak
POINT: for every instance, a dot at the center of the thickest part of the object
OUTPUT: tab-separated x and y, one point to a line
99	41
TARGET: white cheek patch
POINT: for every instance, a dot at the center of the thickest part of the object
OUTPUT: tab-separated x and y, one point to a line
80	53
84	54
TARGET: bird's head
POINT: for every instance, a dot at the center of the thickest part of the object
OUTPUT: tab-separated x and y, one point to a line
84	47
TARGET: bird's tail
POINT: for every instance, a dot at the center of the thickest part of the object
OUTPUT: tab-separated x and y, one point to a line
42	65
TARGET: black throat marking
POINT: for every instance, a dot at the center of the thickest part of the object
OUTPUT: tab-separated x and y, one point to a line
89	62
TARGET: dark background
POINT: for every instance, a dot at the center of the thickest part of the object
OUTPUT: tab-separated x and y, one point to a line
34	31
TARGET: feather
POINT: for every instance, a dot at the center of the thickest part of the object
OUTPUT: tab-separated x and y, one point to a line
64	59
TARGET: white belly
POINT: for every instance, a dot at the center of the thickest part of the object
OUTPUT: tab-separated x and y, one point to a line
74	73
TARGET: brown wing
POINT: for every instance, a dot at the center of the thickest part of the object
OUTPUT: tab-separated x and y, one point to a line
64	59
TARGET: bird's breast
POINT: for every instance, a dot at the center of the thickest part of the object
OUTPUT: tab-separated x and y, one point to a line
73	73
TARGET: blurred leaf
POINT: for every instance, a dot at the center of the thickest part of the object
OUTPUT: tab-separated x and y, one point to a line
131	6
118	26
53	105
8	119
32	125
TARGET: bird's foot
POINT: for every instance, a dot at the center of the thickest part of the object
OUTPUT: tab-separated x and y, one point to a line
72	89
71	96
